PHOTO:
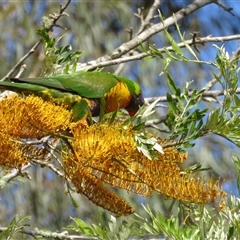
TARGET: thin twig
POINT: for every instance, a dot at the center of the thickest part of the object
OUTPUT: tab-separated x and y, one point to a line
53	235
207	95
144	24
147	21
201	40
21	61
225	8
130	32
156	28
119	69
50	166
13	174
159	120
21	70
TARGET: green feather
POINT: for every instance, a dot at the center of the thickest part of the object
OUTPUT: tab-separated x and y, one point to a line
85	84
45	93
80	110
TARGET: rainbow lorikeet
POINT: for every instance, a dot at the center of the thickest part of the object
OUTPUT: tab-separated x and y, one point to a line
97	92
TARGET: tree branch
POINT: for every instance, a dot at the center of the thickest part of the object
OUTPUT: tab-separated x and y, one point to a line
200	40
41	162
144	24
147	21
207	96
142	37
225	8
50	166
48	234
13	174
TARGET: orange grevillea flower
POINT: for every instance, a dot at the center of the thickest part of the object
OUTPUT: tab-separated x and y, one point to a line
108	153
31	117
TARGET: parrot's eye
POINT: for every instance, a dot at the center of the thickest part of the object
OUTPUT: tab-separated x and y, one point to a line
135	103
139	100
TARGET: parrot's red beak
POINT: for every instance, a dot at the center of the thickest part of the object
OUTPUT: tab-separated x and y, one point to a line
132	113
135	103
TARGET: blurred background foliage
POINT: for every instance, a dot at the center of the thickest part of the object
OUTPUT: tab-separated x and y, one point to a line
96	28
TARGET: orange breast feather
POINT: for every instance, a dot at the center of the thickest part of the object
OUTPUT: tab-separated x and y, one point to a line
118	97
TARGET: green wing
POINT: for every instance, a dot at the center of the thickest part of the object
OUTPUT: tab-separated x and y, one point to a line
85	84
45	93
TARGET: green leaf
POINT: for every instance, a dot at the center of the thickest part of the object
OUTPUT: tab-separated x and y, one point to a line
236	161
170	55
236	101
183	40
174	45
213	119
82	227
171	103
42	32
139	126
230	233
80	110
172	85
155	52
15	226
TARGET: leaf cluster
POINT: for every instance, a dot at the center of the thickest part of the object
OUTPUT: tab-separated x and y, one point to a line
14	228
185	119
57	58
196	223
